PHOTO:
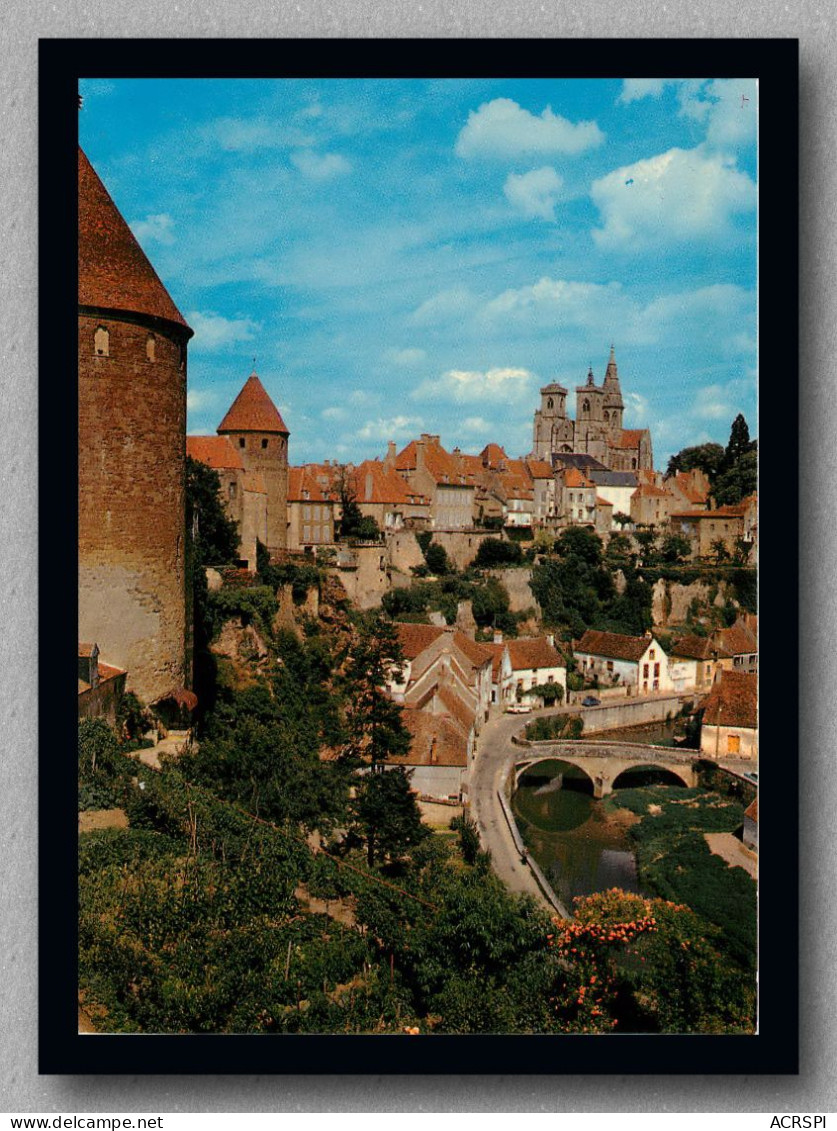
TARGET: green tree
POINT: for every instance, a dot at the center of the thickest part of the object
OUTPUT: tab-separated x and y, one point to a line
719	551
707	458
647	541
376	729
214	535
437	559
580	543
738	481
498	552
387	815
675	548
621	519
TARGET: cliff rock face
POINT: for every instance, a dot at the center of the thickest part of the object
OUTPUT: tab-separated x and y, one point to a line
670	602
519	590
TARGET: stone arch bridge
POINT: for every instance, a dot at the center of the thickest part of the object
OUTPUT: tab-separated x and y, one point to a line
603	762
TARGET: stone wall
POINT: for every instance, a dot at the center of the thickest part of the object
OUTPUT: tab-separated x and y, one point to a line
131	462
461	546
628	713
517	582
367	579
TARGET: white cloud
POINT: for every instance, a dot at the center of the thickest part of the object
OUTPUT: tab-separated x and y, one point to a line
362	397
320	166
634	89
712	402
409	356
535	193
154	229
446	306
335	412
678	196
213	331
502	128
199	399
636	408
245	135
390	428
475	425
560	303
464	386
723	314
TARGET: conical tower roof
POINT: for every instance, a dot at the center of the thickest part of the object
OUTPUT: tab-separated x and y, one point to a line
113	271
253	411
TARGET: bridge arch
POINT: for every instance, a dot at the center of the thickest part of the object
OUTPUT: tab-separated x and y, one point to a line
532	765
681	774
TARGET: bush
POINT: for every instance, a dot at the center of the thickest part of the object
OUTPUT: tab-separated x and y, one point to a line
497	552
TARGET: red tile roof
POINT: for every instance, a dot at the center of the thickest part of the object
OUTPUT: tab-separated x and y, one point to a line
415	638
649	491
539	468
113	271
214	451
437	740
752	810
736	641
575	478
440	464
733	701
693	648
253	411
372	482
304	488
455	707
613	645
629	438
492	454
536	652
600	502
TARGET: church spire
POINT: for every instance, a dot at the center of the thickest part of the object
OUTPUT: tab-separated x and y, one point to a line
611	373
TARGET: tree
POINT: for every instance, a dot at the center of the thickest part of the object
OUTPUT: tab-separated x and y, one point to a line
739	441
719	551
386	814
437	559
375	726
618	546
621	519
496	552
351	517
579	542
647	542
214	536
707	458
675	548
738	481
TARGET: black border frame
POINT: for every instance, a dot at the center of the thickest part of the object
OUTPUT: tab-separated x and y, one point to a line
775	63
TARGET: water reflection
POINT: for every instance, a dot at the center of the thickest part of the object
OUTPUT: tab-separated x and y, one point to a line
582	846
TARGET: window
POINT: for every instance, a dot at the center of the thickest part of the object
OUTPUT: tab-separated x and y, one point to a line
645	671
232	490
101	342
151	347
264	444
656	671
585	408
652	654
549	403
610	665
241	442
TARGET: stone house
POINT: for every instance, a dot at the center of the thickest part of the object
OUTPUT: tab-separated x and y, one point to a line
651	505
638	663
434	473
440	754
520	665
729	724
727	524
693	662
382	494
310	512
575	497
737	647
436	657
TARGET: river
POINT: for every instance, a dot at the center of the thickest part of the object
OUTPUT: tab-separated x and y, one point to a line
582	845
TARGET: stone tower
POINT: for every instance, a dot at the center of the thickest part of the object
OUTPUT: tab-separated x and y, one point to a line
553	430
612	403
257	431
590	431
131	451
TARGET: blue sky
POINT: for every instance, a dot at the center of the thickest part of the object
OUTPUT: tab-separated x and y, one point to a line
422	255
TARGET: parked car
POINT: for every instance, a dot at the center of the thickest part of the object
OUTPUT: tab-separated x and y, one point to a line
518	709
590	701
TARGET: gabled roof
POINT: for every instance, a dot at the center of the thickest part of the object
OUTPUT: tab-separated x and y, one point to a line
253	411
303	487
536	652
575	478
733	701
649	491
437	740
577	459
415	638
736	641
600	502
613	646
114	272
373	482
492	454
629	438
613	478
215	451
693	648
539	468
752	810
440	464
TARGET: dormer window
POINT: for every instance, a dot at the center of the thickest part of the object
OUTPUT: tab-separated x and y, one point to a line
101	342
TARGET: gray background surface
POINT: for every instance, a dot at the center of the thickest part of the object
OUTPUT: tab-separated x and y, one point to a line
21	1089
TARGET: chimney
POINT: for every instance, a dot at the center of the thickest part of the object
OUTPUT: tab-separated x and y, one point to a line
389	461
550	639
420	454
498	636
368	486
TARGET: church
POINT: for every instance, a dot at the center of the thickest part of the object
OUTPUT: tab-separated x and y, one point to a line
597	429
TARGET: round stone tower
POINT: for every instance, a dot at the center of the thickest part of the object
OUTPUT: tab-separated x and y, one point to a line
131	451
257	431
